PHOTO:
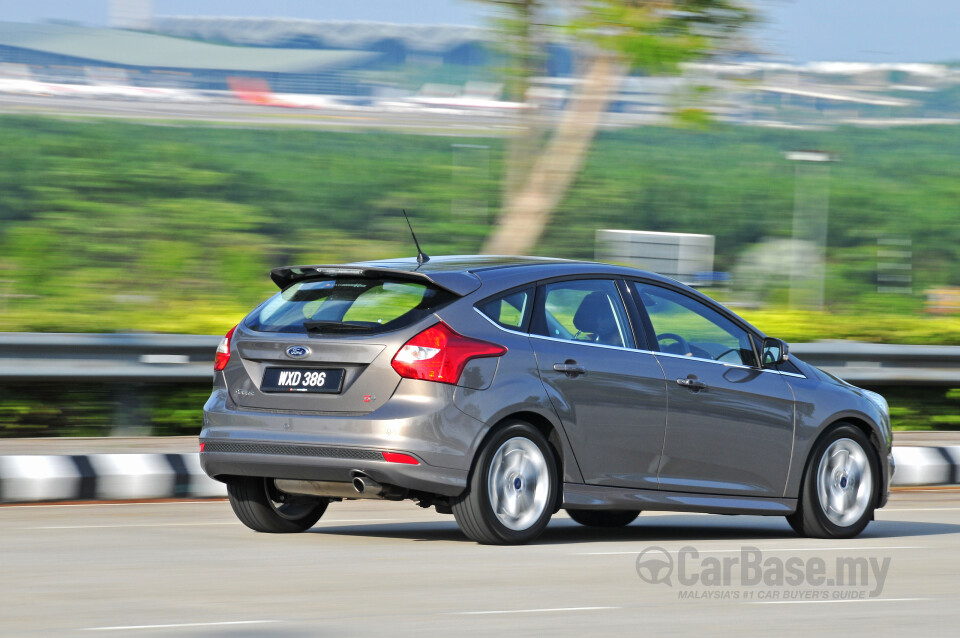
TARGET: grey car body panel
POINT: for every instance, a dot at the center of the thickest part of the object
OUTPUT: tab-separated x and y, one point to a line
365	361
714	434
445	426
614	414
516	396
576	496
822	400
420	418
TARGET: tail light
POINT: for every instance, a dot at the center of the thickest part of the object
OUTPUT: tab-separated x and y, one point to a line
223	351
440	354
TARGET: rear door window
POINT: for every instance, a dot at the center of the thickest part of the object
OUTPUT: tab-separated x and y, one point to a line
588	310
347	306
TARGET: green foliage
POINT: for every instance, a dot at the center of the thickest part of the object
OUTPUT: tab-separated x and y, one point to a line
96	409
923	408
115	227
650	36
872	327
108	227
657	36
735	183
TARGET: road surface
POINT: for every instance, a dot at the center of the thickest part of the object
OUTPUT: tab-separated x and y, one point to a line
391	569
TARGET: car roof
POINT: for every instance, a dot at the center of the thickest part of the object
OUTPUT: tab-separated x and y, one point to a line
495	266
461	263
461	274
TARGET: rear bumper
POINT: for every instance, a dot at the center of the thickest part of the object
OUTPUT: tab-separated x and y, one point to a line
291	463
419	421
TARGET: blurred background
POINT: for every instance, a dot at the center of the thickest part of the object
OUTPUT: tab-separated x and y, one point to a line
797	160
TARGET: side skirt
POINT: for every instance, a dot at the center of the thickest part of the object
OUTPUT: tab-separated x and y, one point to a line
579	496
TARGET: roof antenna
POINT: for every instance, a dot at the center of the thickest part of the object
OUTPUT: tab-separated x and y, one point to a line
421	256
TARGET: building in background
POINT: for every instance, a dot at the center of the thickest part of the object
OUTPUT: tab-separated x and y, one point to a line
81	55
435	66
685	257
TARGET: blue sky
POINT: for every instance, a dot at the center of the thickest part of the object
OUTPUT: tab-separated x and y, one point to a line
800	30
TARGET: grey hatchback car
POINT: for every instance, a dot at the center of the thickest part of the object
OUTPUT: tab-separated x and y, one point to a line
502	390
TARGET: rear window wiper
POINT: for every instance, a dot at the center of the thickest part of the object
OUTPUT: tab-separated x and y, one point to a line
335	326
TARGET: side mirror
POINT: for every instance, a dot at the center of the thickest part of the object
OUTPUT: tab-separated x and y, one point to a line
773	352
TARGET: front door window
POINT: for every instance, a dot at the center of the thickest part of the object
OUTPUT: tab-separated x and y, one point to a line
687	327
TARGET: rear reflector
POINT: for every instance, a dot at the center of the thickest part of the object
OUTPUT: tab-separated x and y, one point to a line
440	354
397	457
202	445
223	351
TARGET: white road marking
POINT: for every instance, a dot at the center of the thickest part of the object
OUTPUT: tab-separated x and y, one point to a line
888	510
529	611
178	625
852	600
360	520
132	525
237	523
217	500
766	549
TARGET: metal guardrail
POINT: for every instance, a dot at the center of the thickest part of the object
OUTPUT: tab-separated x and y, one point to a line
133	358
162	358
876	364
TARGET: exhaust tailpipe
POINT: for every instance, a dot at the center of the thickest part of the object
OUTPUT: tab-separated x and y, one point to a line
367	487
360	487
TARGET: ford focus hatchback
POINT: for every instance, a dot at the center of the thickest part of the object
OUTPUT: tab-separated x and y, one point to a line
501	390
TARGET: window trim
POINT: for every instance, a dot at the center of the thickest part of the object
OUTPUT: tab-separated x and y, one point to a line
524	327
631	304
637	350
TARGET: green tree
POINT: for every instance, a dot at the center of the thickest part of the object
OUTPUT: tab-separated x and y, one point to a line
615	37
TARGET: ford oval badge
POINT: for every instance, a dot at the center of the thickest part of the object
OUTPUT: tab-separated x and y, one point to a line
298	352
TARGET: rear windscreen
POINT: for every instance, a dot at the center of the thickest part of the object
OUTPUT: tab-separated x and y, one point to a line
345	306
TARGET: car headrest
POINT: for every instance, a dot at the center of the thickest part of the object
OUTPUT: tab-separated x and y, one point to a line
595	316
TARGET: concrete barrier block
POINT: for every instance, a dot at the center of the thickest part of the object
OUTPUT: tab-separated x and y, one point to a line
953	453
133	476
28	478
201	485
921	466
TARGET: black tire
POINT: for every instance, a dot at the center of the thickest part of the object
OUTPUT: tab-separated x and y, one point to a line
811	518
263	508
473	510
604	518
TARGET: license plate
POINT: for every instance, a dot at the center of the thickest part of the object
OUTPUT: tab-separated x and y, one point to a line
325	380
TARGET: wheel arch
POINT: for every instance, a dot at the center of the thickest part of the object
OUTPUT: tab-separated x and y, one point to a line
869	431
551	432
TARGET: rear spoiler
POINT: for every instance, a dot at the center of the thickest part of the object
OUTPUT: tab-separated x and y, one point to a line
459	283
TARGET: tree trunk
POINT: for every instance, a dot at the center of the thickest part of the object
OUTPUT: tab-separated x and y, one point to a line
527	209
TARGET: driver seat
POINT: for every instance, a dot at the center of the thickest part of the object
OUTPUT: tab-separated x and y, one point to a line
595	316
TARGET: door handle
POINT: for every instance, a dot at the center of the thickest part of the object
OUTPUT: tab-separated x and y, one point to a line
692	383
570	368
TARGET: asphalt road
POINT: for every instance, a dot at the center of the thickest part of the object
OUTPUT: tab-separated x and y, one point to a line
392	569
